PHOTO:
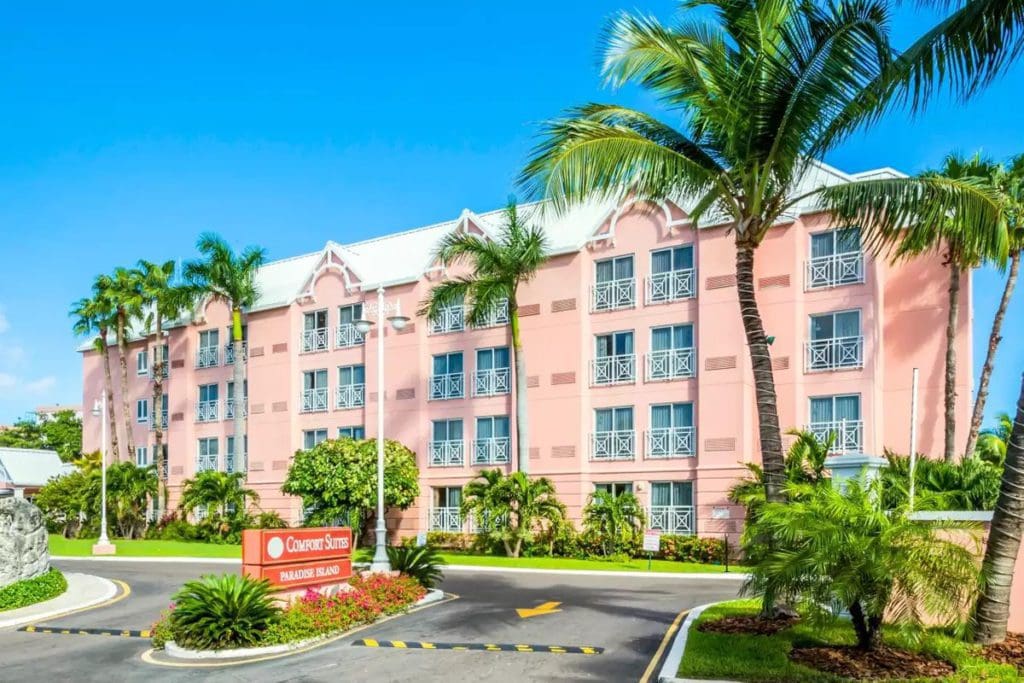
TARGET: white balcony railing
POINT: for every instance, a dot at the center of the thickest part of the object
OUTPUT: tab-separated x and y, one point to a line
672	519
613	370
350	396
207	357
446	453
229	353
491	382
314	340
670	442
492	451
848	434
165	370
675	285
445	519
206	463
613	294
314	400
451	319
670	364
163	423
444	387
496	316
834	354
835	270
207	411
229	408
347	335
229	463
613	445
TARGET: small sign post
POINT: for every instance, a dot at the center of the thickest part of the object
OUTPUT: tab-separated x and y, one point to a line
421	538
652	544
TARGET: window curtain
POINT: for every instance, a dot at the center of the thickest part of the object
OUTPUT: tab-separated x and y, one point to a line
661	261
821	410
603	420
682	493
501	427
455	430
661	339
682	336
822	327
682	258
847	240
682	415
603	345
440	365
661	417
623	343
454	497
822	244
623	419
847	324
847	408
454	363
484	428
484	359
605	271
501	357
309	322
661	494
624	268
440	430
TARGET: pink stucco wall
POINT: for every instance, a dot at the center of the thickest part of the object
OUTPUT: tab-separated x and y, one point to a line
902	311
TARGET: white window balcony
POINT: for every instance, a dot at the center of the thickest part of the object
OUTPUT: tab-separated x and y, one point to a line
492	451
313	400
613	370
314	340
347	335
613	294
229	463
446	453
229	353
450	319
835	270
613	445
163	423
848	435
486	523
495	317
449	386
670	442
445	519
834	354
674	285
492	382
206	463
207	357
207	411
229	408
350	396
670	364
672	519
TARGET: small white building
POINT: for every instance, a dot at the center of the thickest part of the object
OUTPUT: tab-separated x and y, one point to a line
27	470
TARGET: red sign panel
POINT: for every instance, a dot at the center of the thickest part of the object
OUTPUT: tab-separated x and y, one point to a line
281	546
287	576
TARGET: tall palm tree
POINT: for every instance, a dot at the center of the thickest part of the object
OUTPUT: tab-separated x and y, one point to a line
231	278
500	267
993	441
1011	182
764	87
125	293
95	315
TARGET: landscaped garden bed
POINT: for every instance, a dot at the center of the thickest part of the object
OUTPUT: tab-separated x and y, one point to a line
40	588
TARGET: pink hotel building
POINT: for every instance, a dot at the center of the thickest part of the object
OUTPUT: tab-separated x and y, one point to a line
638	374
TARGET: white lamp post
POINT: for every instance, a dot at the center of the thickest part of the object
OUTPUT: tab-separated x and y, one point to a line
379	311
103	546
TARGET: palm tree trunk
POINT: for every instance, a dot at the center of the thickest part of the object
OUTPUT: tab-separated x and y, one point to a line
239	377
950	387
764	380
522	419
122	348
994	337
108	385
158	395
1004	537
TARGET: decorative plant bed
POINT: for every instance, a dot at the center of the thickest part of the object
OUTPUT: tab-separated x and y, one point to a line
749	625
1010	651
881	663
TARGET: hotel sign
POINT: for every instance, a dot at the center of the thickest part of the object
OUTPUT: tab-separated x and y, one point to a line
291	558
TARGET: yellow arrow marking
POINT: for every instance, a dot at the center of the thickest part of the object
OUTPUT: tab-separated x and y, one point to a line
546	608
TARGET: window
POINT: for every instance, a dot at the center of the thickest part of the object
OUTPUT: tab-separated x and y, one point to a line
163	413
492	441
836	259
444	514
614	361
671	275
314	331
229	347
671	433
449	319
347	334
141	363
311	437
229	455
492	375
613	284
447	380
208	455
671	355
207	408
357	432
835	341
446	444
838	418
142	410
209	349
615	488
672	506
229	400
613	434
351	386
314	391
141	456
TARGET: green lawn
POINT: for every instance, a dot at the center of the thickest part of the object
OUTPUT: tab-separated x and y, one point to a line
82	547
657	566
765	659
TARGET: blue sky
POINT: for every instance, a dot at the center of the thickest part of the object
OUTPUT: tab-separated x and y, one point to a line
128	128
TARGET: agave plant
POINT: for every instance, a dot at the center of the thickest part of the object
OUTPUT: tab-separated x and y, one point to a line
422	563
221	612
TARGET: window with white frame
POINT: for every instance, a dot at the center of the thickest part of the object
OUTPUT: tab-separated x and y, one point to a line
163	413
672	354
208	455
837	419
208	407
451	318
208	354
347	334
229	400
614	437
141	456
492	443
142	410
614	359
311	437
229	455
493	374
836	259
614	284
229	347
141	363
448	378
357	432
445	514
835	341
672	506
314	391
671	434
314	331
672	275
446	445
351	386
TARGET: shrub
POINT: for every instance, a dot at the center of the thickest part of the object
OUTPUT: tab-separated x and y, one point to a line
616	522
445	540
218	612
172	527
417	562
691	549
160	632
268	520
30	591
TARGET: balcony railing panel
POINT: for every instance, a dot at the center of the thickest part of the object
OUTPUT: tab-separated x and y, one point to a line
229	408
672	519
444	387
350	396
207	357
451	319
613	445
165	370
446	453
613	294
229	353
229	463
848	435
674	285
492	451
207	411
491	382
347	335
670	442
163	423
834	354
314	340
496	316
445	519
314	400
206	463
670	364
835	270
613	370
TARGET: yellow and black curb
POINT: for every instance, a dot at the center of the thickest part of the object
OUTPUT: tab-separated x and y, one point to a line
121	633
481	647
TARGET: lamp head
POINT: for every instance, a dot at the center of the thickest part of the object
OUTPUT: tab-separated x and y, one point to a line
363	325
398	322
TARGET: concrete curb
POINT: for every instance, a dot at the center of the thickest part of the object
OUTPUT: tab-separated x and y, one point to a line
670	667
731	576
84	590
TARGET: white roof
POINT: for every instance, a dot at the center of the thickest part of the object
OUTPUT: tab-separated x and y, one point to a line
30	466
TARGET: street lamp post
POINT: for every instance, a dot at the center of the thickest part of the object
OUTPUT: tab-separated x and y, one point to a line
103	546
380	310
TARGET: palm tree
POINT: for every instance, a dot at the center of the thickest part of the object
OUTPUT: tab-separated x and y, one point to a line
1011	182
231	278
617	519
512	507
992	442
216	491
125	292
499	268
95	315
130	489
764	89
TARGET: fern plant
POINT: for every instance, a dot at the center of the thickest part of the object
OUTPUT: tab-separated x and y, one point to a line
421	563
221	612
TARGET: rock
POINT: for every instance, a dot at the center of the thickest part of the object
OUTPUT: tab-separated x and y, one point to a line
24	545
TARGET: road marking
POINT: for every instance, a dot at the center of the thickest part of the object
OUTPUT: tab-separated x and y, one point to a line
481	647
649	671
544	608
123	633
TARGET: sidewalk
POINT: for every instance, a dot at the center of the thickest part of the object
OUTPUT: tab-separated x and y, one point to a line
84	590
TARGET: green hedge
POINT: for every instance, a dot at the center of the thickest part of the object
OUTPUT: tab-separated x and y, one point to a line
30	591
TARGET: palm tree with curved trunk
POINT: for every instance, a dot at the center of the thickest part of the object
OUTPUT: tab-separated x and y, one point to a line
500	267
95	316
763	88
125	293
229	277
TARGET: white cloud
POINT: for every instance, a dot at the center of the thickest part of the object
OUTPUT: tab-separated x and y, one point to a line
41	385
